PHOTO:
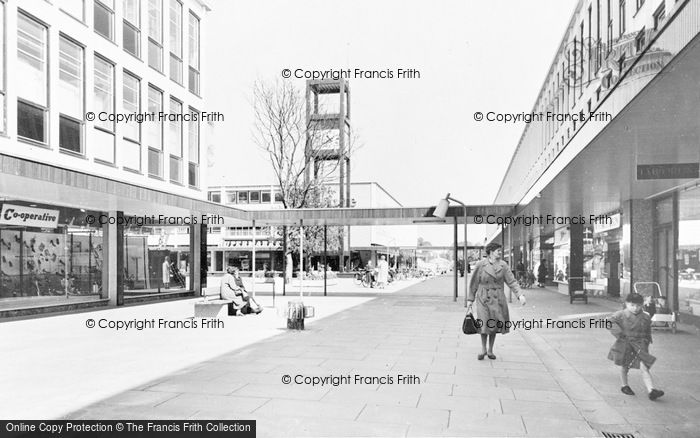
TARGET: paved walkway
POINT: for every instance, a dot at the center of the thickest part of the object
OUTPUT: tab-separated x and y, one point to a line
545	382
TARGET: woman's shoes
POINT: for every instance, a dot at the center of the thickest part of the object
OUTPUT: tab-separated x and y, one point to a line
627	390
655	393
491	356
481	356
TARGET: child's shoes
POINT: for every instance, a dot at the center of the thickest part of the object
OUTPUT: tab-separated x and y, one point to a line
627	390
655	393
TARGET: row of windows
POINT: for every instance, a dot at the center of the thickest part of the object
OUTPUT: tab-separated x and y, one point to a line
244	196
32	107
103	16
585	56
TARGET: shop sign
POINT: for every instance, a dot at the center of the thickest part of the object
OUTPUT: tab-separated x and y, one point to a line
668	171
246	244
20	215
610	223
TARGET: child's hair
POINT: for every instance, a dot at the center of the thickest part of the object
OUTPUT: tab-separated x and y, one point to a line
635	298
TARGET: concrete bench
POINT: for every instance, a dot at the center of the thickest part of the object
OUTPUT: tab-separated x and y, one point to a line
211	306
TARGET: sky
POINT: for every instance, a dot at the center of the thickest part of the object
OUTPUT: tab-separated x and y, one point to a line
419	136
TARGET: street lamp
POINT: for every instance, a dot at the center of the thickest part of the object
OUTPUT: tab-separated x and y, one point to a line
441	211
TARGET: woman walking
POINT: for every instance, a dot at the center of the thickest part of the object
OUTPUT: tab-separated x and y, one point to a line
486	289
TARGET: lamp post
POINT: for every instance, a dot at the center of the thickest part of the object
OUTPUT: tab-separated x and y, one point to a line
441	211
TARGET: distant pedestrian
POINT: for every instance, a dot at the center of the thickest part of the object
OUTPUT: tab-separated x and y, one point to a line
542	273
382	272
486	289
632	328
166	272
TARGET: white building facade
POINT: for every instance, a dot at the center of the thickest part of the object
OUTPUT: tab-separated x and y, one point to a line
102	116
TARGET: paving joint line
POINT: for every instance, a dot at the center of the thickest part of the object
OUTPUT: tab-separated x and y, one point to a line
544	351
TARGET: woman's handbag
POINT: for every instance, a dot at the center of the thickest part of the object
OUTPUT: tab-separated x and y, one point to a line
469	324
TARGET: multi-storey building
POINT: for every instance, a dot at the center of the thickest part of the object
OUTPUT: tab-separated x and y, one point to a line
611	153
233	245
101	106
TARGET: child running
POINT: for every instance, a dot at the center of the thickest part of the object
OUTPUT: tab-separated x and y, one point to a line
632	328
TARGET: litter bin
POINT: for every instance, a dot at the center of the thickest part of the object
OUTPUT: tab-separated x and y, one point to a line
295	315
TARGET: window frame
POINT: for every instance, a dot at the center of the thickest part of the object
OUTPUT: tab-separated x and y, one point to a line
194	71
151	149
177	57
136	28
178	159
152	40
110	12
82	98
194	121
45	60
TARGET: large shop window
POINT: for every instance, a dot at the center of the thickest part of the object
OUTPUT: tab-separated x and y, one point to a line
689	251
156	260
41	266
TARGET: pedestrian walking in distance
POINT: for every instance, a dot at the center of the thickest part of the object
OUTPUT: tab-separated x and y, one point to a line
486	289
632	328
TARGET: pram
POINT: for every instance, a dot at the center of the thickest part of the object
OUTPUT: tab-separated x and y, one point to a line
656	305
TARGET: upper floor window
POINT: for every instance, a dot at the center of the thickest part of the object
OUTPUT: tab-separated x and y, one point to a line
623	17
175	141
131	29
659	15
155	133
104	92
193	54
70	95
75	8
155	34
2	67
193	148
32	90
131	98
214	196
176	41
104	18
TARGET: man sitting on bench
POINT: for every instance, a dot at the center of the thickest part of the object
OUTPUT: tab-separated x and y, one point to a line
232	288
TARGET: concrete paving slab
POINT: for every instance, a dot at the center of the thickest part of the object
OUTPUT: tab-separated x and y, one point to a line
424	417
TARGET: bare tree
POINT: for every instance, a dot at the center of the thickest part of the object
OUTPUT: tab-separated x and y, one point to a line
292	143
284	133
